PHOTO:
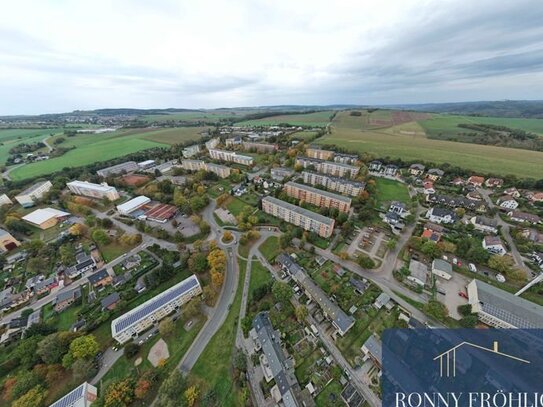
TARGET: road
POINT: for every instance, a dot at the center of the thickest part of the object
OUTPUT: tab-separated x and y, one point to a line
44	141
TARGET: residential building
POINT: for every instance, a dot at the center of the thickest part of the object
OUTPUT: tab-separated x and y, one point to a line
4	200
507	202
494	183
100	279
351	159
457	202
524	217
298	216
341	185
535	197
191	151
263	148
132	205
442	269
45	218
83	262
275	363
231	156
110	302
328	167
45	286
279	174
432	232
501	309
7	241
375	166
99	191
193	165
428	186
383	300
458	182
82	396
122	168
483	224
476	181
512	192
314	152
233	141
494	245
373	349
435	174
391	170
163	168
211	144
398	207
145	315
416	170
29	196
66	298
221	170
340	320
418	273
317	197
13	329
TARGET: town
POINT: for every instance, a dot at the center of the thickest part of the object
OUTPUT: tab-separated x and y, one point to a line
256	266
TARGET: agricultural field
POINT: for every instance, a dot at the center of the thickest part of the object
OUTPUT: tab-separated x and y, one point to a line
320	119
206	116
10	138
392	142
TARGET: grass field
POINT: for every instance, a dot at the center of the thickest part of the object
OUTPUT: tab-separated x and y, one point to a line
10	138
387	143
388	190
320	119
270	248
198	116
259	276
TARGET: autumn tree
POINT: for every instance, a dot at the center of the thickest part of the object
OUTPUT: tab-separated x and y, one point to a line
191	395
166	327
78	229
227	237
35	397
142	388
301	313
120	393
84	347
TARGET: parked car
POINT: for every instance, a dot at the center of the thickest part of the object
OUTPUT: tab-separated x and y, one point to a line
463	294
500	278
472	268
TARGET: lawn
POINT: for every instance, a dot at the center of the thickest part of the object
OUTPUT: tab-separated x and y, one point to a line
388	190
176	135
480	158
197	116
112	251
306	136
330	395
214	365
320	119
270	248
260	275
235	205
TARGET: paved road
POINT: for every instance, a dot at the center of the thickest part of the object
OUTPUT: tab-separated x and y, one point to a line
44	141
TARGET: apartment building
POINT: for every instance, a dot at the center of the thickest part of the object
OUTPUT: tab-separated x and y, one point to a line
341	185
346	158
193	165
329	167
231	156
214	142
29	196
191	151
317	197
196	165
260	147
301	217
126	167
82	396
314	152
137	320
89	189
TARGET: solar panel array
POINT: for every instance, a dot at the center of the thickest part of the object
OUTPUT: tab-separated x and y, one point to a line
70	398
155	303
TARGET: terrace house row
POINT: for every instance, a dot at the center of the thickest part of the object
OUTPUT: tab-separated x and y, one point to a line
457	202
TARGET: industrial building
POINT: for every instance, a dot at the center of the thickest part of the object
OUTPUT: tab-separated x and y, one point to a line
341	185
317	197
7	241
29	196
45	218
89	189
298	216
143	316
122	168
135	203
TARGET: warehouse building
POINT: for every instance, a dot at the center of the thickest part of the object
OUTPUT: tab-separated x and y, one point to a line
231	156
29	196
317	197
298	216
82	396
122	168
45	218
132	205
99	191
341	185
7	241
142	317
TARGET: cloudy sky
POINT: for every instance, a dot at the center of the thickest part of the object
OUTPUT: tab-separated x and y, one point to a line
61	55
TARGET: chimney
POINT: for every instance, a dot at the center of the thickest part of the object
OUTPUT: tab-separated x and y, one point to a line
496	346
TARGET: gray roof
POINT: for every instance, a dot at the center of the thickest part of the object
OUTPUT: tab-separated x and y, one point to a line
110	299
418	270
319	161
98	276
374	347
32	188
510	308
482	220
66	295
310	214
382	300
319	191
442	265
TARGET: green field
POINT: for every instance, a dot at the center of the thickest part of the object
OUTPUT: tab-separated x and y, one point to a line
388	190
320	119
270	248
391	143
210	116
259	276
10	138
91	148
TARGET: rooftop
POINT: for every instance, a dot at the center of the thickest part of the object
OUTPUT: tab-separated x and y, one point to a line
40	216
33	188
86	184
310	214
319	191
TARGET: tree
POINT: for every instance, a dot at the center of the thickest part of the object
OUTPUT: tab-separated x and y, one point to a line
168	393
464	309
281	292
131	349
469	321
197	263
25	352
100	237
78	229
35	397
84	347
120	393
436	309
500	263
82	369
365	261
142	388
25	382
227	236
166	327
217	279
53	347
301	313
191	395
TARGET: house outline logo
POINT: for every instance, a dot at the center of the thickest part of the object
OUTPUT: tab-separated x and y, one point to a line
447	359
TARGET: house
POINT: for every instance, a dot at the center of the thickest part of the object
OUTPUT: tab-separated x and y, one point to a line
418	273
442	269
111	301
474	196
532	235
7	241
428	187
476	181
523	217
45	218
416	169
83	262
398	208
45	286
29	196
535	197
279	174
441	215
64	299
494	183
14	329
483	224
100	279
458	181
507	202
432	232
393	219
512	192
373	349
494	245
391	170
381	301
375	166
435	174
4	200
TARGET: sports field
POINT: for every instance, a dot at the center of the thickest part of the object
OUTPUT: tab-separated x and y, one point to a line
408	141
90	148
320	119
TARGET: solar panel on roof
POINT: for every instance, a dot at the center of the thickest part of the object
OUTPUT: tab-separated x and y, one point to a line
155	303
69	399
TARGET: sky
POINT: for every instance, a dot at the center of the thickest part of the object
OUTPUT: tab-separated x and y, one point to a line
61	55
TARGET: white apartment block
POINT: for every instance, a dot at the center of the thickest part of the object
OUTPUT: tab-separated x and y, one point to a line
329	167
193	165
231	156
29	196
211	144
260	147
191	151
317	197
196	165
89	189
298	216
341	185
134	322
